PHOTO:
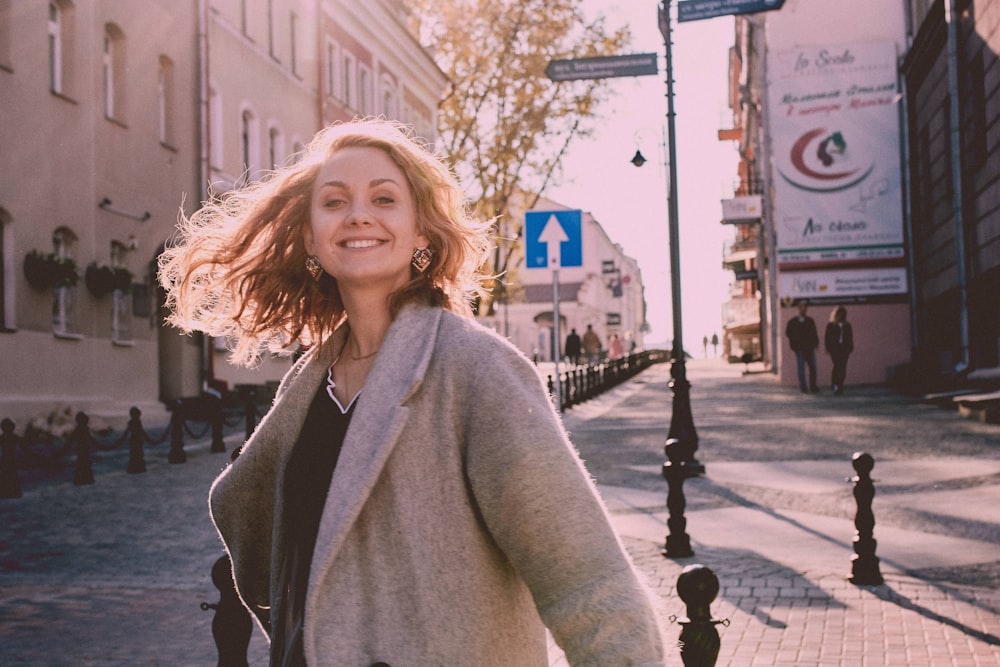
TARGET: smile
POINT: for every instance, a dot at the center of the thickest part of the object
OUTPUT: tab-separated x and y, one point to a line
362	243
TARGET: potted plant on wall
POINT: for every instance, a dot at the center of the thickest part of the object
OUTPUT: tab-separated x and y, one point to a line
122	279
49	271
104	279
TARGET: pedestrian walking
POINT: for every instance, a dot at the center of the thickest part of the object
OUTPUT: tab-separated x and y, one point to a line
803	339
397	505
839	342
704	347
573	347
715	345
615	349
592	345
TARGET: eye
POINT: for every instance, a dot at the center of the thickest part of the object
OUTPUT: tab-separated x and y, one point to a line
385	200
333	202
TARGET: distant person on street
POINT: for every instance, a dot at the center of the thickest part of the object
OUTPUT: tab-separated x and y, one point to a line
715	345
615	350
802	336
592	345
573	347
398	505
704	346
839	342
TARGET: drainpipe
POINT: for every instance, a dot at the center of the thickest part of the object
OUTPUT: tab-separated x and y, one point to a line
904	156
204	153
954	118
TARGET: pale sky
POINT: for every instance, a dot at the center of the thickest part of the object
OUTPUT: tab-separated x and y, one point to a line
629	202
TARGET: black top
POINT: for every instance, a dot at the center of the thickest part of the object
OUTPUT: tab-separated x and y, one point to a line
307	480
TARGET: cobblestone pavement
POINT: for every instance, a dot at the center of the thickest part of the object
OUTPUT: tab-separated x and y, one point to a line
114	573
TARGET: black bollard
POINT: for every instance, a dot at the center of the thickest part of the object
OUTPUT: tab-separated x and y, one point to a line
864	564
215	410
232	625
84	473
10	485
249	408
136	460
678	544
177	454
697	586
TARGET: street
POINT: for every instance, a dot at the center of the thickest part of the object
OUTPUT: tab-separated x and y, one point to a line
113	573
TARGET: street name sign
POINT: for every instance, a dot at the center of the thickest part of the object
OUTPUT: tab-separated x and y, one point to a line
694	10
602	67
553	239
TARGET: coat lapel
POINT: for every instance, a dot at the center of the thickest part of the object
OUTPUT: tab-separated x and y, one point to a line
378	422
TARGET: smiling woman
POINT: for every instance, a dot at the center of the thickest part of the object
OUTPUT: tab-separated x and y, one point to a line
396	505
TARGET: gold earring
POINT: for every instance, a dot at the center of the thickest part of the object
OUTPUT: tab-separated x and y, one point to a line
421	259
313	267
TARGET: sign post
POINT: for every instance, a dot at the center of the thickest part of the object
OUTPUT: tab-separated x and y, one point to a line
554	239
602	67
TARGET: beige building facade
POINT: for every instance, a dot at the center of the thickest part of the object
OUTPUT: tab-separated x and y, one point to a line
117	115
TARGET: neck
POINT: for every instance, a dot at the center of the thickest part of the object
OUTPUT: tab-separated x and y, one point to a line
368	325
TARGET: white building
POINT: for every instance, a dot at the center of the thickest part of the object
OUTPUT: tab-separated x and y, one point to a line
605	292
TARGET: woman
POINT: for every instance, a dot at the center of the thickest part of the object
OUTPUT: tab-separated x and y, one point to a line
397	505
839	341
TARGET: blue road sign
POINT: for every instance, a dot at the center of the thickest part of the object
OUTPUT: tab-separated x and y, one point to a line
694	10
553	239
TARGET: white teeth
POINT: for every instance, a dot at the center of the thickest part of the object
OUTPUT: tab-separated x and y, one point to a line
366	243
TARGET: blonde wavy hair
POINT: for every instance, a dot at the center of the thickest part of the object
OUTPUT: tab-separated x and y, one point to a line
236	268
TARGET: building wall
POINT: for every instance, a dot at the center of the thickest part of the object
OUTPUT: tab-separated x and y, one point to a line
63	152
809	25
955	205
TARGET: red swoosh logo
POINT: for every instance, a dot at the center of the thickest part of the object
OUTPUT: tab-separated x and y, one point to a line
799	148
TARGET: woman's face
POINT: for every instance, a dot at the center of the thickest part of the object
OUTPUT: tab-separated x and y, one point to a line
363	227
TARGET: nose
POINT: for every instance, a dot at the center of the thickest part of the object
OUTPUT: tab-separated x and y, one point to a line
358	215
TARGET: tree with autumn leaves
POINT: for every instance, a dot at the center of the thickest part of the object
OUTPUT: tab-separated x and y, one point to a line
504	124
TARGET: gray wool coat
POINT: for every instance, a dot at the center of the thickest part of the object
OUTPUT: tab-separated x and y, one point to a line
459	523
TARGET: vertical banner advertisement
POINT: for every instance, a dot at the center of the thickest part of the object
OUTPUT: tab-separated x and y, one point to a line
837	176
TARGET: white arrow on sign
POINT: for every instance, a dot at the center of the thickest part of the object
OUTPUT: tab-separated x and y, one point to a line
552	235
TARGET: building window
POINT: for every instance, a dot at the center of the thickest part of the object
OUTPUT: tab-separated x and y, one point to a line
388	100
348	95
249	145
333	88
5	34
293	30
121	329
55	47
975	127
63	307
216	135
165	100
276	147
364	90
270	29
7	321
113	62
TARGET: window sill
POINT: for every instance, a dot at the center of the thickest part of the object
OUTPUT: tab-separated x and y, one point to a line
123	343
67	335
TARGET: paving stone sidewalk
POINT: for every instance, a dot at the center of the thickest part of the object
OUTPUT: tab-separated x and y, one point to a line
114	573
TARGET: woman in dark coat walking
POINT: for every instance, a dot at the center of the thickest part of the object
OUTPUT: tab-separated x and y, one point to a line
839	341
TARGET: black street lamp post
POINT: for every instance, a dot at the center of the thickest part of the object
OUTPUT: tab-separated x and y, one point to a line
682	436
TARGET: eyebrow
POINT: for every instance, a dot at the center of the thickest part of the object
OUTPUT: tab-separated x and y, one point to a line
371	184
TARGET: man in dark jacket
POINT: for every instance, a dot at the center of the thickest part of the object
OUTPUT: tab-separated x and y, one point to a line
804	340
